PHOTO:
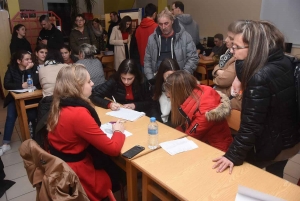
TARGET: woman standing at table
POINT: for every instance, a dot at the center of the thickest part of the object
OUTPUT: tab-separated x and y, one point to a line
129	88
198	110
69	140
41	52
120	38
16	78
268	133
166	68
18	40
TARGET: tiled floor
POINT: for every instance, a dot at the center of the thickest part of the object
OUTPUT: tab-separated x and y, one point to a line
23	190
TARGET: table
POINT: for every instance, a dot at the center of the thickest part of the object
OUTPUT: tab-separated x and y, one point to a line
139	136
206	63
20	99
189	176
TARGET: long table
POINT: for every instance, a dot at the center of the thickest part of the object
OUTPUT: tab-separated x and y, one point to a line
189	176
139	130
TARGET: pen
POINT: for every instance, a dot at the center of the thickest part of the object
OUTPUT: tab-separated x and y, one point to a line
40	38
114	99
113	122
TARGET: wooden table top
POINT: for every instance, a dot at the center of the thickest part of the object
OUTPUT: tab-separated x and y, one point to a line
205	62
139	130
27	95
189	176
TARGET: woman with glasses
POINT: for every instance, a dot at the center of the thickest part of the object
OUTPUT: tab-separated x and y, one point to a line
127	88
198	110
224	73
166	68
268	133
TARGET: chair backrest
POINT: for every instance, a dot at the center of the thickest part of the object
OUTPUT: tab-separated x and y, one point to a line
234	120
107	59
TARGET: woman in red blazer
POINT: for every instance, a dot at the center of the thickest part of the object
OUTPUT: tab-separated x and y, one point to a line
198	110
73	125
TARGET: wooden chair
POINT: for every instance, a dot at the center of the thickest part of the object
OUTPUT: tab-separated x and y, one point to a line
108	65
204	80
234	120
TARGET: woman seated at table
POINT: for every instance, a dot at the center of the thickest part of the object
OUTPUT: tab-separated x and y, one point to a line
16	78
66	54
224	73
69	140
198	110
92	64
41	52
129	88
167	67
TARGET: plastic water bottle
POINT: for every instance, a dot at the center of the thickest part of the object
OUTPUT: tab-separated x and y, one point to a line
30	84
30	129
204	53
152	134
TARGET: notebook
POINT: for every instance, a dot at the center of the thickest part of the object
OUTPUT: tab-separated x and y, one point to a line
128	114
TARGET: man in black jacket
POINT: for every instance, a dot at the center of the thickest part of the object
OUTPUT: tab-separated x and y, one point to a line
50	35
114	21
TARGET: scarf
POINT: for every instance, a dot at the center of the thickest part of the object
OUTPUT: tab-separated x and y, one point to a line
224	58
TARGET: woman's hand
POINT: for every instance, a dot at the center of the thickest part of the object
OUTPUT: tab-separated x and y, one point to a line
236	87
129	106
114	106
219	72
30	65
118	126
125	41
24	85
222	164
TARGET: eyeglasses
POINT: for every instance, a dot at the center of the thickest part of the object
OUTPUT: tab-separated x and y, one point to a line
236	47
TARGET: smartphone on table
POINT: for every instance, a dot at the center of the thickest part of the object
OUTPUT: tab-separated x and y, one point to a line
133	151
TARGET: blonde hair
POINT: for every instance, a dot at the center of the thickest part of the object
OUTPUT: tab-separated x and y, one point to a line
166	13
69	83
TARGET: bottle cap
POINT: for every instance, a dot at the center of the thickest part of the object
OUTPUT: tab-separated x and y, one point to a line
152	119
29	75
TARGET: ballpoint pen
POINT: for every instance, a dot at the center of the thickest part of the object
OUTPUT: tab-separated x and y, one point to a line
114	99
113	122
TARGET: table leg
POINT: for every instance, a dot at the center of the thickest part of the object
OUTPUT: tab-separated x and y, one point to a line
131	175
25	131
146	194
17	102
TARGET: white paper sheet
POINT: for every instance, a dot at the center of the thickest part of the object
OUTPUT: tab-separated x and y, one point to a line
22	90
128	114
248	194
177	146
107	129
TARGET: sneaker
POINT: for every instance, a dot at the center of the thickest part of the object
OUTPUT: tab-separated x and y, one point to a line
5	148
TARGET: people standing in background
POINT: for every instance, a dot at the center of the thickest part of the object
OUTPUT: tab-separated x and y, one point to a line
50	35
120	38
217	50
146	28
92	64
15	77
39	57
81	34
67	56
18	40
100	34
114	21
268	134
187	22
169	40
198	110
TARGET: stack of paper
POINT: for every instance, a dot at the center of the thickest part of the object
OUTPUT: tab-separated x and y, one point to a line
23	90
128	114
177	146
248	194
107	129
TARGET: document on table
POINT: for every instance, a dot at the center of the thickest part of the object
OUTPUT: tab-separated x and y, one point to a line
22	90
128	114
107	129
248	194
177	146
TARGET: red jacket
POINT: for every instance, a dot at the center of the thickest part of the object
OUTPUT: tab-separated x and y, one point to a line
206	117
75	130
142	33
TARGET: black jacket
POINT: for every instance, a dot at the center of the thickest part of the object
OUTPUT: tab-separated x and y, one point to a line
54	38
141	94
268	117
19	44
14	79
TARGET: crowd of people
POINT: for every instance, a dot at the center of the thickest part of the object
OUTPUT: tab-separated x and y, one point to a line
154	73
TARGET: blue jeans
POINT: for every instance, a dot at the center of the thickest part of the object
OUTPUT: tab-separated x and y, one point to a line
11	119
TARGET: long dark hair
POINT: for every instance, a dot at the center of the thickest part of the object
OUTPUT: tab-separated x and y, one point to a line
37	49
16	28
129	66
167	64
19	55
54	55
122	25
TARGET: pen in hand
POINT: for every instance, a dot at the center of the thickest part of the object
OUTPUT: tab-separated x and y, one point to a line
114	105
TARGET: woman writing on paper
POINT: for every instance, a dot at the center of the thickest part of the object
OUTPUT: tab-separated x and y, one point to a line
128	87
69	140
198	110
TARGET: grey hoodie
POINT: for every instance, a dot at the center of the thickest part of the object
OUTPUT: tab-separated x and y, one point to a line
190	26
